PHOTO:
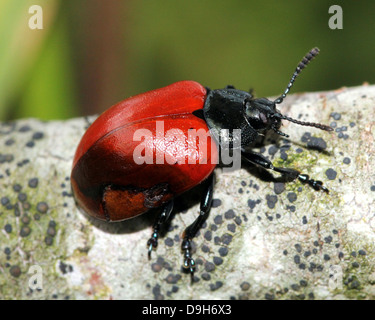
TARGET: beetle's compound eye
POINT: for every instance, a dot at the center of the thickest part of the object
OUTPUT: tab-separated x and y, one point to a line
257	119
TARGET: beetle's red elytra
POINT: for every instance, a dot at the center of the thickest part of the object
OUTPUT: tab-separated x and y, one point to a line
110	184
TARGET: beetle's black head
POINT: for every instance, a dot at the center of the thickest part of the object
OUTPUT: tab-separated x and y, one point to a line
262	114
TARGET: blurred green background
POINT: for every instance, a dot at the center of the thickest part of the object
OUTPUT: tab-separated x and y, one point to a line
92	54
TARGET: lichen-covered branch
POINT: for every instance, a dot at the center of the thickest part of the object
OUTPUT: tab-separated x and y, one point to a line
264	238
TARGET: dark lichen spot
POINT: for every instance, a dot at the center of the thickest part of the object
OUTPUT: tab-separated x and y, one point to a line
217	285
8	228
226	239
355	284
251	203
205	248
317	143
328	239
217	261
298	247
25	219
156	292
65	268
4	201
48	240
355	265
208	235
303	283
272	150
326	257
22	197
42	207
51	231
9	142
271	201
362	252
223	251
218	219
33	183
238	220
25	231
278	187
372	188
304	220
172	278
209	266
229	214
231	227
297	259
336	115
15	271
30	144
307	254
17	187
302	266
206	276
331	174
156	267
24	128
37	135
216	203
168	242
295	286
292	196
269	296
245	286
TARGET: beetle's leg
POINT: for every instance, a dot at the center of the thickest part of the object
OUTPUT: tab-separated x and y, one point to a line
292	174
191	230
152	243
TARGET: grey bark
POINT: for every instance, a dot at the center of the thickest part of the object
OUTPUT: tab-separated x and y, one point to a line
264	239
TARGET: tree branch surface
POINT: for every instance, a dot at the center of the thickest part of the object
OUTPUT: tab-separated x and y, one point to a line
264	238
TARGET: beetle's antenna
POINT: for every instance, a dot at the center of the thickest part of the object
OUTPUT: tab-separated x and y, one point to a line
308	124
302	123
304	62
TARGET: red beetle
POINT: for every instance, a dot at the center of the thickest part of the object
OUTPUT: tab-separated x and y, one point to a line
110	183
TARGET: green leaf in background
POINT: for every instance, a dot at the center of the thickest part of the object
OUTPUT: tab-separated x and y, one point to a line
50	91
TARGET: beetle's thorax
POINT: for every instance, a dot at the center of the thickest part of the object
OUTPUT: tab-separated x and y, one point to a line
224	112
230	109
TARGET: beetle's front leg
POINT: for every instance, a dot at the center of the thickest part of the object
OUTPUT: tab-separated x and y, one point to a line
291	174
191	230
161	219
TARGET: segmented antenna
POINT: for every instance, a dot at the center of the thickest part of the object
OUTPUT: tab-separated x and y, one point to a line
308	124
305	61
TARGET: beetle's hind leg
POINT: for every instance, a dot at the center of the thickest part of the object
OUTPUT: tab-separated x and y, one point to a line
190	231
291	174
163	217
